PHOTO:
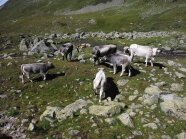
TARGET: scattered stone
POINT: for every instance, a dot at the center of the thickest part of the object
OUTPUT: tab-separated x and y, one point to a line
9	64
73	132
122	82
126	120
181	135
172	63
175	107
151	125
110	120
180	75
165	137
64	113
182	69
176	87
111	109
84	111
160	84
153	90
31	127
133	97
151	100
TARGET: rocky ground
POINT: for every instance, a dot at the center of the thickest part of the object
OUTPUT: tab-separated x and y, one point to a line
150	104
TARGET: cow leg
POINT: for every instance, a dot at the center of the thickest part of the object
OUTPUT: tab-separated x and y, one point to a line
123	70
28	76
115	68
23	78
44	76
66	57
70	56
129	71
101	92
151	62
146	61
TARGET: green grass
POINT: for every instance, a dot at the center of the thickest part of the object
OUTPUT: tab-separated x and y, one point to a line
33	100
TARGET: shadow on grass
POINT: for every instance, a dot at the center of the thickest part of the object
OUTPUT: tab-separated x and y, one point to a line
134	72
155	64
48	77
112	89
3	136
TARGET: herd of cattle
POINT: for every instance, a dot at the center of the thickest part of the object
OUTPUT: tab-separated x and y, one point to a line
106	53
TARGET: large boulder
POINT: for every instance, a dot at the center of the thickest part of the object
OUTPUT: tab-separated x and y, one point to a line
174	106
126	119
152	90
109	109
176	87
64	113
24	44
151	100
50	112
70	109
40	47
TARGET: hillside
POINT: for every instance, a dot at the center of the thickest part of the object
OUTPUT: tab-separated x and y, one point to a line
41	16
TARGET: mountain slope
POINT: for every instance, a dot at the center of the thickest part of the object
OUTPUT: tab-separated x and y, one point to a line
41	16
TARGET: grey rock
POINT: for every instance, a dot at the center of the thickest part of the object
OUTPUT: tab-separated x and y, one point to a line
110	109
110	121
64	113
181	135
151	125
73	132
152	90
81	57
84	111
126	120
122	82
180	75
151	100
132	97
165	137
182	69
31	127
175	107
172	63
176	87
160	84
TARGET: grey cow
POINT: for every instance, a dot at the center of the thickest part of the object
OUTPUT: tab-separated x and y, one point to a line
41	68
120	60
103	50
66	49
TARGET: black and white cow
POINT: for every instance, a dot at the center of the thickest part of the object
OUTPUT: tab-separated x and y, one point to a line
66	50
103	50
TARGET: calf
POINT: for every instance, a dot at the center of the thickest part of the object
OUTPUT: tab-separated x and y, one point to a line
66	49
120	60
100	82
143	51
41	68
103	50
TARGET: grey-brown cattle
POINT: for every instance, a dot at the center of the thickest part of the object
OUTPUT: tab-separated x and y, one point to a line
103	50
120	60
34	68
66	49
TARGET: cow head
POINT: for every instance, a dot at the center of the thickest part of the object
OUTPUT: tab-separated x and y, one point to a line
50	65
155	51
126	49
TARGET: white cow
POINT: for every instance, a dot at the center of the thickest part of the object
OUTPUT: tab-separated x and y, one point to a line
100	82
143	51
